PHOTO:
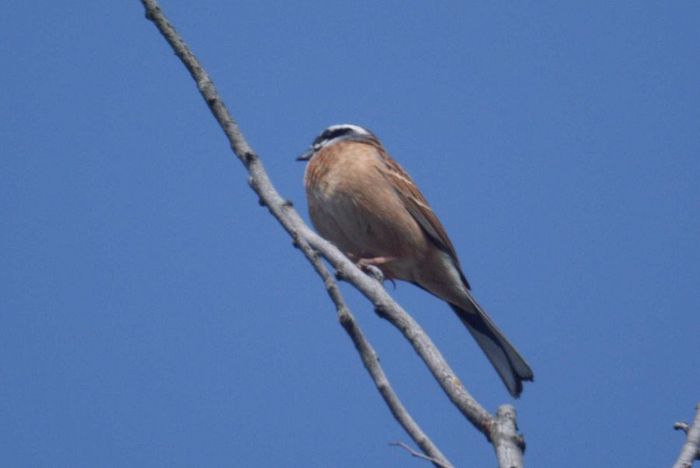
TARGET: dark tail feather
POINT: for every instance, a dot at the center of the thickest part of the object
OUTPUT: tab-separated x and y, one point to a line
509	364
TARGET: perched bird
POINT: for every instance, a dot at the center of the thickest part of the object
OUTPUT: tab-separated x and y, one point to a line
362	201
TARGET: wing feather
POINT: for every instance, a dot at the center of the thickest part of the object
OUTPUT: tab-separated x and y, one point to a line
418	207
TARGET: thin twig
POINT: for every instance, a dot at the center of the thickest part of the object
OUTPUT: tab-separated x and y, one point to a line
290	220
416	454
691	448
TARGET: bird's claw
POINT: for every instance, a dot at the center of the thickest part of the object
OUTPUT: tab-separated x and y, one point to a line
372	271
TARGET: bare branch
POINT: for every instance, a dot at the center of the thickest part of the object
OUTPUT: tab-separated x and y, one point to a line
509	445
283	211
691	449
304	237
371	362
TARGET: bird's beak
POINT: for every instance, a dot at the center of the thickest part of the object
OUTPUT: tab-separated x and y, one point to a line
306	155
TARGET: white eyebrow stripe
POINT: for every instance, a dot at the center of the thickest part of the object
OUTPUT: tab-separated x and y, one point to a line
355	128
350	132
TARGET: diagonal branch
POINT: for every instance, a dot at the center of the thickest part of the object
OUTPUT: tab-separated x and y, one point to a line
310	243
691	449
371	361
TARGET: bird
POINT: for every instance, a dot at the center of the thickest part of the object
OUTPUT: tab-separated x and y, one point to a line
361	200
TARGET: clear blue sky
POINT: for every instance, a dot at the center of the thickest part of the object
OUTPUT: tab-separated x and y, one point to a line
152	314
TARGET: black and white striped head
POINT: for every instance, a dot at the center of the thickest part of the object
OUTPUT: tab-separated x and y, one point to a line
336	133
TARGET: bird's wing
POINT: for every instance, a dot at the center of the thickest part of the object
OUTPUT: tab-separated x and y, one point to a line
417	206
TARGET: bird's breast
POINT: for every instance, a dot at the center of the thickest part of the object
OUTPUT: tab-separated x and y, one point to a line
354	206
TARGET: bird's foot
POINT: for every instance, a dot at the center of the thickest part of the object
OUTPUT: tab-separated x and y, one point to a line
372	271
371	266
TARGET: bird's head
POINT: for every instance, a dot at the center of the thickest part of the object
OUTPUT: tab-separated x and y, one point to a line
336	133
